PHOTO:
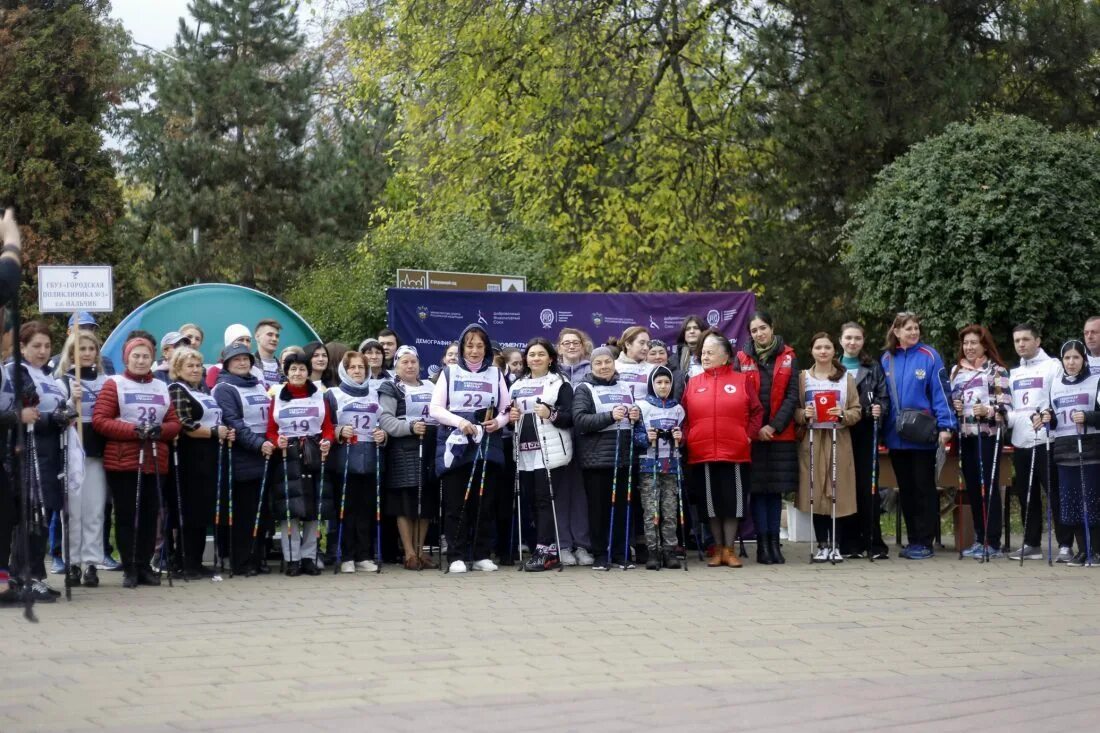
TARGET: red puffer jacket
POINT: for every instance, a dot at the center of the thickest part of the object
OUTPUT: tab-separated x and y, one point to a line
723	413
121	450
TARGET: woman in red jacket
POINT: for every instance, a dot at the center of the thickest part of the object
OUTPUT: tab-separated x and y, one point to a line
132	412
723	414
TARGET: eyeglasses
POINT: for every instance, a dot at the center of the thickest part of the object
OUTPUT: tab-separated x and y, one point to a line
570	343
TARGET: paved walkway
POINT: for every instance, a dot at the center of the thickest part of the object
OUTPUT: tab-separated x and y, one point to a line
944	644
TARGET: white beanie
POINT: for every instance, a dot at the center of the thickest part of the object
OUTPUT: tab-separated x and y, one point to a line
235	331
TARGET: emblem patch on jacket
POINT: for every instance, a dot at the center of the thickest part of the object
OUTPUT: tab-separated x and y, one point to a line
919	374
730	389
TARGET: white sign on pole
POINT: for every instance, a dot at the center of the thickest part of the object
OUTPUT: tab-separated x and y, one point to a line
72	288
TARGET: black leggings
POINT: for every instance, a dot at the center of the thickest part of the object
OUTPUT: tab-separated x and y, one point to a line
597	484
135	550
535	485
360	506
461	517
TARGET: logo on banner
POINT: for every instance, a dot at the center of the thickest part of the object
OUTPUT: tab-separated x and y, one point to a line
653	324
481	318
422	312
597	319
546	317
713	318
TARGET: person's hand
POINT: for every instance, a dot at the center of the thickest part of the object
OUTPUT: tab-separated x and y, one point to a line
635	413
767	433
945	437
1037	421
542	411
876	411
283	442
513	415
267	448
468	428
30	415
677	434
379	435
619	412
419	428
651	435
346	431
9	229
958	406
325	447
490	426
981	411
231	435
77	390
1047	417
1078	417
808	411
837	411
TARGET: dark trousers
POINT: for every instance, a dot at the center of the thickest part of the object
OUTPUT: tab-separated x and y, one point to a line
767	511
135	550
9	515
535	485
1032	515
598	486
979	507
463	518
360	507
916	474
108	510
198	514
861	532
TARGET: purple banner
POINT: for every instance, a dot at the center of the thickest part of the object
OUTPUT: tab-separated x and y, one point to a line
432	319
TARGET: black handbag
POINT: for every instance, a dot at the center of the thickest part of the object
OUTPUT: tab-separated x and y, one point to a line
915	426
310	453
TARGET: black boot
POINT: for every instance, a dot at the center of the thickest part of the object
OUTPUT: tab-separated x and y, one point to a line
763	549
129	579
774	551
671	561
72	578
294	568
653	562
147	576
91	577
309	567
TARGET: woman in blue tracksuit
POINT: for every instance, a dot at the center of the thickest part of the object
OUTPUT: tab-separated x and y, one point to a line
916	378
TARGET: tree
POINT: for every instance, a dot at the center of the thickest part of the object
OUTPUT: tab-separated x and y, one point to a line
346	298
58	65
994	222
220	152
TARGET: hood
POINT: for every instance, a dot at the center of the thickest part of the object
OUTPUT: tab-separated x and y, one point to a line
656	372
349	386
487	360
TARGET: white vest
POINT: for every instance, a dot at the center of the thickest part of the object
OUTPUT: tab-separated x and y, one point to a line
557	443
418	401
7	392
361	413
1066	399
300	417
606	397
211	413
1031	392
89	394
815	387
636	377
255	406
661	419
471	391
141	402
269	371
51	394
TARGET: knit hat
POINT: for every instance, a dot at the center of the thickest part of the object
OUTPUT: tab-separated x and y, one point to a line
404	351
234	332
370	343
602	351
132	344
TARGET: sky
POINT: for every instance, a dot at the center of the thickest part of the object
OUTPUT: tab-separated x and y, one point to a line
152	22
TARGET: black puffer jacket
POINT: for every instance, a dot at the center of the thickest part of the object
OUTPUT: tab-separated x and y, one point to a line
871	384
1065	447
597	446
403	458
303	489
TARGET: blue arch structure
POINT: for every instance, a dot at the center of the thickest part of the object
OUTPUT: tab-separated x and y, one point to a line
213	306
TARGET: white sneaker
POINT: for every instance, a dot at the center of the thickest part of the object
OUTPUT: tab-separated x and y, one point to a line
486	565
822	554
1065	554
835	556
319	561
584	557
348	566
367	566
567	558
458	566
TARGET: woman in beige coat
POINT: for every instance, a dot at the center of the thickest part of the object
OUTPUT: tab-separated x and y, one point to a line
831	402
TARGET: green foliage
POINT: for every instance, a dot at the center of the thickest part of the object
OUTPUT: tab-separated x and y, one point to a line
346	299
993	222
58	64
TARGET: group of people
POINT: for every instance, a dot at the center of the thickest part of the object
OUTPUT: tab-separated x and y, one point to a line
601	456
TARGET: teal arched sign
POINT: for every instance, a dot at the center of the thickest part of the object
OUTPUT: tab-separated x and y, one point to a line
213	306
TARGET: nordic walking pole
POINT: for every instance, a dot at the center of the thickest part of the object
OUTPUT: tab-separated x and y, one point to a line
550	487
286	497
343	501
65	510
832	532
994	482
481	484
960	492
179	505
614	490
812	533
259	509
874	481
1050	511
465	499
164	510
137	491
1084	498
657	495
218	509
680	502
982	484
378	506
419	499
1027	500
627	529
517	509
229	480
321	499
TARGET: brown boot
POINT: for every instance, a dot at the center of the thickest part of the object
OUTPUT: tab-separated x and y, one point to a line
730	558
715	560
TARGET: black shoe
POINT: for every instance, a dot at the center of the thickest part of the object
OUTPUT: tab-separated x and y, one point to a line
91	577
293	569
671	561
72	578
129	579
774	551
263	568
763	549
653	563
250	571
148	576
309	567
42	593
